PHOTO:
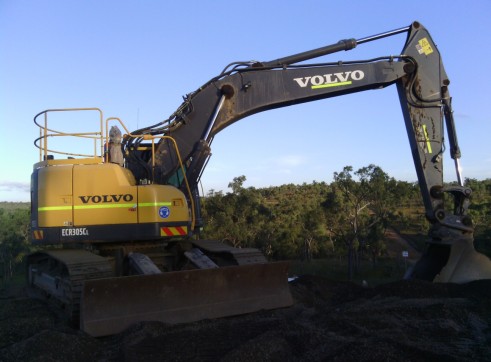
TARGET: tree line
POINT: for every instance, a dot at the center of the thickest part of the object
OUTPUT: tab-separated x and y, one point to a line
346	218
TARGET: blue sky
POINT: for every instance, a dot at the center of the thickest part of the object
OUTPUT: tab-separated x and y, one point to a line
136	59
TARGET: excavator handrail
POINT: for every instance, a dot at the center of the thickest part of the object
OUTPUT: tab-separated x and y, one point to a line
42	141
152	139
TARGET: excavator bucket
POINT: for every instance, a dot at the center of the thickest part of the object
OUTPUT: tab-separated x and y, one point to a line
111	305
457	263
464	264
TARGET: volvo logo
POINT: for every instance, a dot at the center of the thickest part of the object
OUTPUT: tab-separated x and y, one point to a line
330	80
97	199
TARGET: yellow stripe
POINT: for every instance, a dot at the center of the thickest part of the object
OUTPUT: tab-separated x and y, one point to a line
329	85
428	143
83	207
144	204
54	208
103	206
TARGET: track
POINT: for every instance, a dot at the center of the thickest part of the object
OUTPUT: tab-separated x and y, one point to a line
61	274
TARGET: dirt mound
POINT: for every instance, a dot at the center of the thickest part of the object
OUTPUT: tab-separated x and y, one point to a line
332	321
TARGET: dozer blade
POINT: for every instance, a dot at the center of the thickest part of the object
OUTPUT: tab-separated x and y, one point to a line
109	306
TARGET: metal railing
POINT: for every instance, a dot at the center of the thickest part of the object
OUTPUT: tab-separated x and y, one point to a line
45	133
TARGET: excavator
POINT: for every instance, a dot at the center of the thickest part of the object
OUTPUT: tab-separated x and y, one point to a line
120	226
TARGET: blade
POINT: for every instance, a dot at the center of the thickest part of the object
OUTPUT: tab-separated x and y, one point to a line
109	306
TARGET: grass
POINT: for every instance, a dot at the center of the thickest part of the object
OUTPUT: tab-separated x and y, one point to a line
10	206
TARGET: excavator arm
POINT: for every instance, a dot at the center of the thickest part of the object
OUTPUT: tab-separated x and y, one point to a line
245	88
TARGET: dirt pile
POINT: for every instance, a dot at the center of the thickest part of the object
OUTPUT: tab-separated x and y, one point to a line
330	321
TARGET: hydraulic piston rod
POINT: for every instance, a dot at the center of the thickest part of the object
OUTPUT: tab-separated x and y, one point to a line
346	44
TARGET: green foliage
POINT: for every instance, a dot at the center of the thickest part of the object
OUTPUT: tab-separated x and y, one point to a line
321	226
480	211
14	238
359	209
11	206
285	222
347	218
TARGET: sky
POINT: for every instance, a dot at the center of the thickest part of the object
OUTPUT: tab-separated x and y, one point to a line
136	60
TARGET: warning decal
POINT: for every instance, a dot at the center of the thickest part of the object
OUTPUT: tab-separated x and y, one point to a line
424	47
174	231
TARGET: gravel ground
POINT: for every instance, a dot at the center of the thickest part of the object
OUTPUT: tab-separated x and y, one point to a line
330	321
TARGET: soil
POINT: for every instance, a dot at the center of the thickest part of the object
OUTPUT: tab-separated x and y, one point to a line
330	321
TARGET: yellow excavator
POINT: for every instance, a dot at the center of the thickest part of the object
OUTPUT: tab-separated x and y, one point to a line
123	221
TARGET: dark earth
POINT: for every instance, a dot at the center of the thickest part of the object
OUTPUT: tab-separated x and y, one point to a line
330	321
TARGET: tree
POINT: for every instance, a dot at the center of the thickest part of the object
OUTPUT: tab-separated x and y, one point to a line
284	222
14	239
235	217
236	184
480	212
356	206
313	227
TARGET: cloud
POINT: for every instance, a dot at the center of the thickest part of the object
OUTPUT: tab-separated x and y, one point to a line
14	186
291	161
287	164
14	191
458	115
